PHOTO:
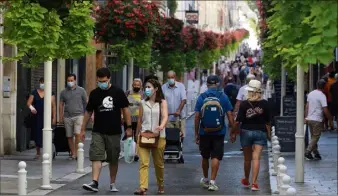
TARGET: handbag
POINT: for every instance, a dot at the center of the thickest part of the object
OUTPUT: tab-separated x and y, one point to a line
149	139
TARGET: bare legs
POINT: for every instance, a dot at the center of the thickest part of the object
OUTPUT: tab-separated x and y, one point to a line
96	166
214	168
252	158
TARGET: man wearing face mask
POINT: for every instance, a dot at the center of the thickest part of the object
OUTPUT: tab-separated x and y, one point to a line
176	96
73	99
107	102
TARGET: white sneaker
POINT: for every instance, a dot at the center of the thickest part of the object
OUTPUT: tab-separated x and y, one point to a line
213	187
113	188
204	183
121	155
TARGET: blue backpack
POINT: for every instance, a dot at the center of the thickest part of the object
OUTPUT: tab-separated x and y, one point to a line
212	119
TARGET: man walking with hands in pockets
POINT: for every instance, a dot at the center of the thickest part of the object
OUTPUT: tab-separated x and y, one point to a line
106	102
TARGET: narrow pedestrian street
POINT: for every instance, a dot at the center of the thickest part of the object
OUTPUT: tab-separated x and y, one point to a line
180	179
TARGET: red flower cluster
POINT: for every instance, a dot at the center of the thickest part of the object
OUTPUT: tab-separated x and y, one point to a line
239	34
169	35
193	38
128	19
211	40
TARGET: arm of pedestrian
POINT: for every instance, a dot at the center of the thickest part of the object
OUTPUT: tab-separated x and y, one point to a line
84	97
61	111
139	121
197	126
328	116
164	114
29	104
127	120
306	111
180	108
53	110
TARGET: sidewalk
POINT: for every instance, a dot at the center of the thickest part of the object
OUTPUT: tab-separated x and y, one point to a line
320	176
63	170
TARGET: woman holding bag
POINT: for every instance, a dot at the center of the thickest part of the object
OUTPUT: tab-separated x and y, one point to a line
153	117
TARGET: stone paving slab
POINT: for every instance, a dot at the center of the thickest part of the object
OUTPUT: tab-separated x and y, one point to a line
63	170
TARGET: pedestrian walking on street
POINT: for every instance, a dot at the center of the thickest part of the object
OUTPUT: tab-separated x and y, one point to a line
176	97
254	119
73	100
107	101
153	117
315	108
135	97
35	103
210	128
334	96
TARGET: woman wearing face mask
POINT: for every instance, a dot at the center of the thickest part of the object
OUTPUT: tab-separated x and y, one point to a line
135	96
35	104
153	117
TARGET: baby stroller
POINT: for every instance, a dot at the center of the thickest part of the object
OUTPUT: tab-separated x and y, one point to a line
174	145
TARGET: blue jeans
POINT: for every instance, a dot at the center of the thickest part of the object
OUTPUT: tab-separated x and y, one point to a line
251	137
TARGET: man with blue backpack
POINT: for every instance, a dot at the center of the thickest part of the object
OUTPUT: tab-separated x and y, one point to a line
210	128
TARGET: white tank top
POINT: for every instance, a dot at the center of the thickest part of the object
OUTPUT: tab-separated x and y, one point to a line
151	117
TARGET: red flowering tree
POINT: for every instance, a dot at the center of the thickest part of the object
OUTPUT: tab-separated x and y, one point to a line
193	40
127	27
126	19
168	45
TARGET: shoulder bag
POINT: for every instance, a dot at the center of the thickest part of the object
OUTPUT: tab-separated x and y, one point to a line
149	139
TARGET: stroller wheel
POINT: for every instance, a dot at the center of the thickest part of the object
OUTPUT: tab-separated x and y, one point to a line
181	160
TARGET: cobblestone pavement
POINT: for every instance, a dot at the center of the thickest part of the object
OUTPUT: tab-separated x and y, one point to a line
180	179
320	177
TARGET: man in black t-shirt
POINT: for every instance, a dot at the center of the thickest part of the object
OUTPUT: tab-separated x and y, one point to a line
107	102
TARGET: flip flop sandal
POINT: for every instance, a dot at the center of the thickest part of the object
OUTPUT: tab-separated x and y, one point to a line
140	192
71	158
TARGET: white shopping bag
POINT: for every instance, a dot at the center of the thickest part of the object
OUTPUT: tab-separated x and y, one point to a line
129	146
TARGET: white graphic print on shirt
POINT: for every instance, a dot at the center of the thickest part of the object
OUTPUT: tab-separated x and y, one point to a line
253	112
107	104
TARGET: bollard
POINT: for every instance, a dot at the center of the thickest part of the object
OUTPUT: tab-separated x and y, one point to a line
280	161
45	173
276	155
274	143
80	158
286	184
274	138
281	173
22	178
291	191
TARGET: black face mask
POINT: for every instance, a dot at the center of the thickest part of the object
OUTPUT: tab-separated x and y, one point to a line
136	89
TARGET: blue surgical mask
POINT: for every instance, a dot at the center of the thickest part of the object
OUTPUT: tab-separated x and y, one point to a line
42	86
148	92
70	84
102	85
171	81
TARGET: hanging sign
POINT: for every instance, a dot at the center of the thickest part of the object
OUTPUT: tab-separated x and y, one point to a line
191	17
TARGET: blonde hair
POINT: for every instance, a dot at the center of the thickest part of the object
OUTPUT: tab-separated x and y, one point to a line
254	95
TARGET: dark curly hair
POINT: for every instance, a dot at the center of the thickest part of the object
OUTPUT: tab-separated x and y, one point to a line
159	93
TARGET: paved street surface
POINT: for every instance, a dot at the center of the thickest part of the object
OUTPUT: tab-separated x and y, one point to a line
9	168
320	176
180	179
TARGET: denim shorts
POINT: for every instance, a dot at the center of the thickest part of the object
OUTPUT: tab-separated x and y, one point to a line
251	137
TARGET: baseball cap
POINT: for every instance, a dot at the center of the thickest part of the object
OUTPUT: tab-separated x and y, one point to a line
213	79
254	85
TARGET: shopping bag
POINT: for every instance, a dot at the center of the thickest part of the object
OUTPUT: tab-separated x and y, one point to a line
129	146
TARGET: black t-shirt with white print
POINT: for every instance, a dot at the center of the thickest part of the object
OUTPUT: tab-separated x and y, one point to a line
254	116
107	105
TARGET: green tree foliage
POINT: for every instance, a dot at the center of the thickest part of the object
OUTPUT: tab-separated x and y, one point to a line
172	6
303	32
41	35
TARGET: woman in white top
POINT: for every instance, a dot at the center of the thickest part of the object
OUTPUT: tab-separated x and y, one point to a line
150	119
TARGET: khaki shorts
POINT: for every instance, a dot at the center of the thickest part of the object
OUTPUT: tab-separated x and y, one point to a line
102	145
73	125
